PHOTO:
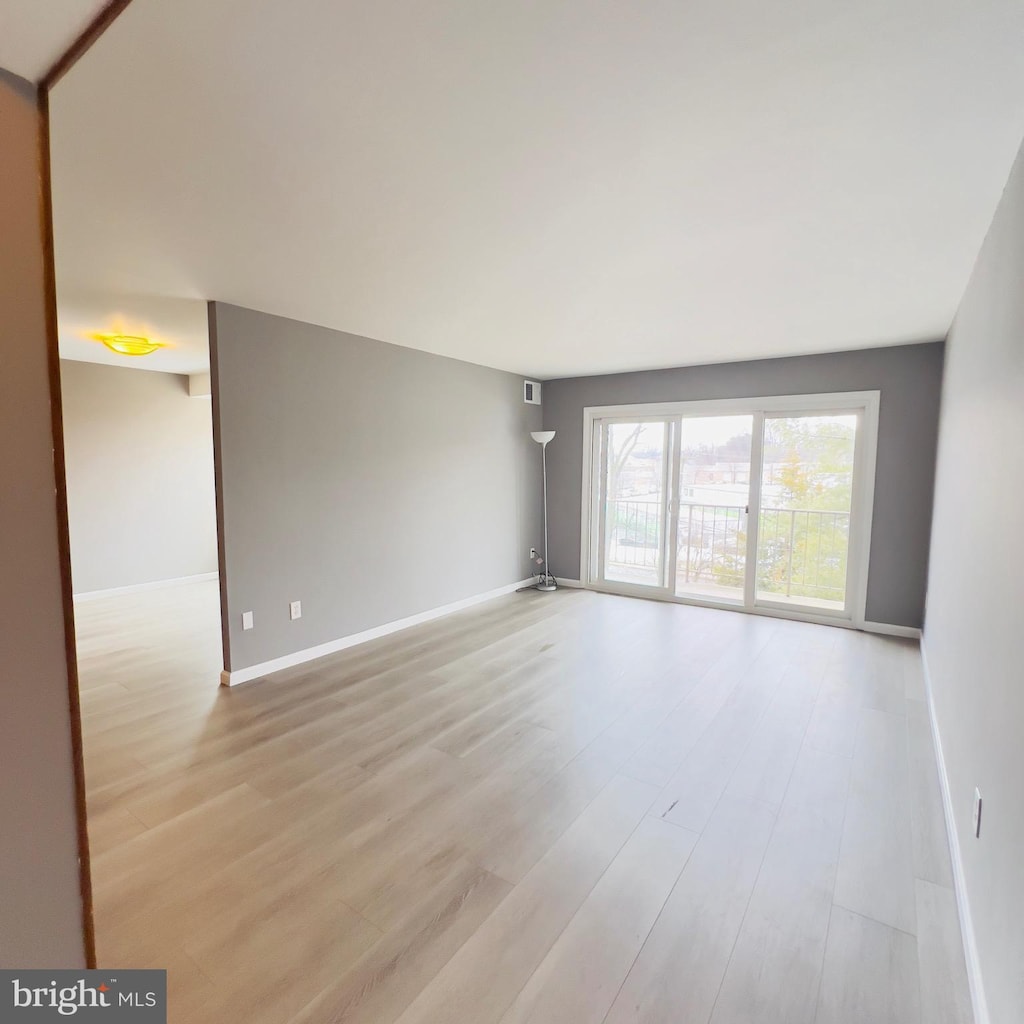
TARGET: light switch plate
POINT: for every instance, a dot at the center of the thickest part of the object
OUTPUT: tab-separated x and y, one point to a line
246	620
295	610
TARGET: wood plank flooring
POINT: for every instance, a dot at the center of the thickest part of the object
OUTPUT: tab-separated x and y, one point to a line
572	808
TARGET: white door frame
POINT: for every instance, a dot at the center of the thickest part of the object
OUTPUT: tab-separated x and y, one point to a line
861	505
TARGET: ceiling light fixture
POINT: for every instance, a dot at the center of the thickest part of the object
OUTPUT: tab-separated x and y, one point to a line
128	344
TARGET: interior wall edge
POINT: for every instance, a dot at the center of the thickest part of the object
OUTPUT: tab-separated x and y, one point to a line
63	530
973	637
44	860
218	485
974	974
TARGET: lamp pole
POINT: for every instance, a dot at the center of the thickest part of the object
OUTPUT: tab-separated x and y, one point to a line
543	438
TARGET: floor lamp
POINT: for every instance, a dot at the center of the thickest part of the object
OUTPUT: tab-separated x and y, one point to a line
543	437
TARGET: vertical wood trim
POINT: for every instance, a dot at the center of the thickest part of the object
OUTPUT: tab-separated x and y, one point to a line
85	39
218	487
64	545
82	43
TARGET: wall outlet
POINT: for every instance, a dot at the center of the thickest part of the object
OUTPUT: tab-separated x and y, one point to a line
246	620
976	819
533	553
295	610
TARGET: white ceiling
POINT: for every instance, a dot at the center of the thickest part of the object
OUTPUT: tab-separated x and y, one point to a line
565	187
34	34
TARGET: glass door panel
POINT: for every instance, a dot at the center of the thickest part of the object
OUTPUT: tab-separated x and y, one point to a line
634	502
803	540
714	502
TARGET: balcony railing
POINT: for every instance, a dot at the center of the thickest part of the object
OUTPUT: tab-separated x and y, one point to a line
801	552
634	533
712	543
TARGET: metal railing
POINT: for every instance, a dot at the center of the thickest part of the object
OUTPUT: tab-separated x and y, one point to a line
712	544
801	552
634	533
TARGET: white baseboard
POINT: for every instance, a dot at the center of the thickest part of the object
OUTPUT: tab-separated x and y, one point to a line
135	588
887	629
244	675
974	977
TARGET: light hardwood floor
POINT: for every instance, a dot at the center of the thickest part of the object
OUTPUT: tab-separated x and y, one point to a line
565	808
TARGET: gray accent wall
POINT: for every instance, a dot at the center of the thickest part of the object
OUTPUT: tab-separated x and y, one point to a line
909	378
139	457
370	482
973	634
41	920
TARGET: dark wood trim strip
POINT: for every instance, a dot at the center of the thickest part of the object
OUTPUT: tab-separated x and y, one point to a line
218	484
57	418
103	20
85	39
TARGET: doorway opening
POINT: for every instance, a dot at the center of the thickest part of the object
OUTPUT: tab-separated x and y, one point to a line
139	467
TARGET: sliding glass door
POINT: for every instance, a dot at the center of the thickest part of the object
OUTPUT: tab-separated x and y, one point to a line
635	502
759	504
714	506
803	548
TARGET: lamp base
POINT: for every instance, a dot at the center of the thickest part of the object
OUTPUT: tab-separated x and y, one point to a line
547	585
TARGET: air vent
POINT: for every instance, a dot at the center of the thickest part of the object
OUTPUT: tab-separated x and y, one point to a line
531	392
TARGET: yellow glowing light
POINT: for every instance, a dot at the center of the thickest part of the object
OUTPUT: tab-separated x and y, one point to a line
128	344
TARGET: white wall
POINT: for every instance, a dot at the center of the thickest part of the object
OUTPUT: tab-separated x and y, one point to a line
140	476
974	635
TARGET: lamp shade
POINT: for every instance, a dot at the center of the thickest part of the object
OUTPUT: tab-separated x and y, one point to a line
542	436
